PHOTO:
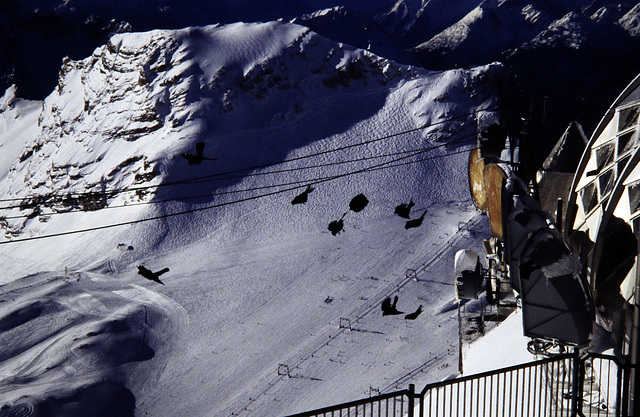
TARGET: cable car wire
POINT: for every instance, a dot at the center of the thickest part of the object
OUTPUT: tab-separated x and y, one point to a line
299	183
109	194
53	197
212	206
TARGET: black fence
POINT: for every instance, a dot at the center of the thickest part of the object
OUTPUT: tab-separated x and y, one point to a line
566	385
394	404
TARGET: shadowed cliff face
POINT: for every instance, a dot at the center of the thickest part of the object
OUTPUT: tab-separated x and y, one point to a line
34	41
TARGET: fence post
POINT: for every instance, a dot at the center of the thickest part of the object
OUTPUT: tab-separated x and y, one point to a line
412	393
460	350
577	384
621	397
626	385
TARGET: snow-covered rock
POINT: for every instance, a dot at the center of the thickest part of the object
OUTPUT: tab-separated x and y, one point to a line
486	31
415	21
355	28
565	32
631	21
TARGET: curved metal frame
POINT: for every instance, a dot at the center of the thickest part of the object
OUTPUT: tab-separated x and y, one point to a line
586	156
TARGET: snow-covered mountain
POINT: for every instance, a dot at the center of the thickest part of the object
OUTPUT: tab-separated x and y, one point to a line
416	21
568	59
253	93
100	173
593	38
494	29
280	108
35	35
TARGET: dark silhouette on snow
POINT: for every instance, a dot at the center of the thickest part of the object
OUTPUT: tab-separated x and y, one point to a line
302	197
492	140
336	227
403	209
150	275
415	222
389	309
415	314
198	157
358	203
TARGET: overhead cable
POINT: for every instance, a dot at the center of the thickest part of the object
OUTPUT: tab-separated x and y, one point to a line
236	171
217	205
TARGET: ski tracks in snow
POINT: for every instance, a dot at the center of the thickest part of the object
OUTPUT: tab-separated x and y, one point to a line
361	320
65	333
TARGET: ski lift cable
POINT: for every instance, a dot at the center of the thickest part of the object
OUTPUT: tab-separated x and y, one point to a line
367	142
299	184
250	168
209	207
109	194
237	191
196	179
326	164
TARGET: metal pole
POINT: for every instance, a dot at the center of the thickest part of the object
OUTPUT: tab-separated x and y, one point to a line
576	385
460	370
412	393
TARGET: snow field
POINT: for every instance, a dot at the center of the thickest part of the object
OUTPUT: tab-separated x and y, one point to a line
67	332
296	321
255	282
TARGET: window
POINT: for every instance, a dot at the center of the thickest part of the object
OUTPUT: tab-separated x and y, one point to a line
627	118
626	142
604	155
589	197
606	182
634	196
622	163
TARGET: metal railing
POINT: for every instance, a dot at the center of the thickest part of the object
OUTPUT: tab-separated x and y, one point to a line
393	404
523	390
603	388
564	385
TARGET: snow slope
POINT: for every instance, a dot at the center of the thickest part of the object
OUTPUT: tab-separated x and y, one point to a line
254	281
257	95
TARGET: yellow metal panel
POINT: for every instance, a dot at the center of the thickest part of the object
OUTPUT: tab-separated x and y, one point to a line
476	180
494	179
